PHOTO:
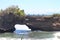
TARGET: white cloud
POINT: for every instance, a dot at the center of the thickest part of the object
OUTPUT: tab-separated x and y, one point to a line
42	11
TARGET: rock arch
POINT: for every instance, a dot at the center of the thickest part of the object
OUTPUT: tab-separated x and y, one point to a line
8	21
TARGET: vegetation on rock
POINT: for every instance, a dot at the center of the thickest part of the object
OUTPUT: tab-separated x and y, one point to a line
14	15
9	17
56	15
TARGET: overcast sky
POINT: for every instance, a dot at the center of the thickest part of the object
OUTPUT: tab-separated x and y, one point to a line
34	6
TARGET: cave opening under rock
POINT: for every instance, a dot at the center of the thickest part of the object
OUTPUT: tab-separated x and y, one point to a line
21	27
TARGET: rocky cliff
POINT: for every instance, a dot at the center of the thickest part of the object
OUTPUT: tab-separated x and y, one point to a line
8	21
43	23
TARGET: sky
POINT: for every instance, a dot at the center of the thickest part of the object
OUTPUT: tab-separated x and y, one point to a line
21	27
34	6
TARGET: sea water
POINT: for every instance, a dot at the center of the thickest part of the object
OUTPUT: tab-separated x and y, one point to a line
22	32
30	35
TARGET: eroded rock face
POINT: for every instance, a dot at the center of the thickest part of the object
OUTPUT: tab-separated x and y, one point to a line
44	23
7	22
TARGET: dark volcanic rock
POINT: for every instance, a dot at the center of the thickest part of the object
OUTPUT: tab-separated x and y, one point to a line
8	21
43	23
